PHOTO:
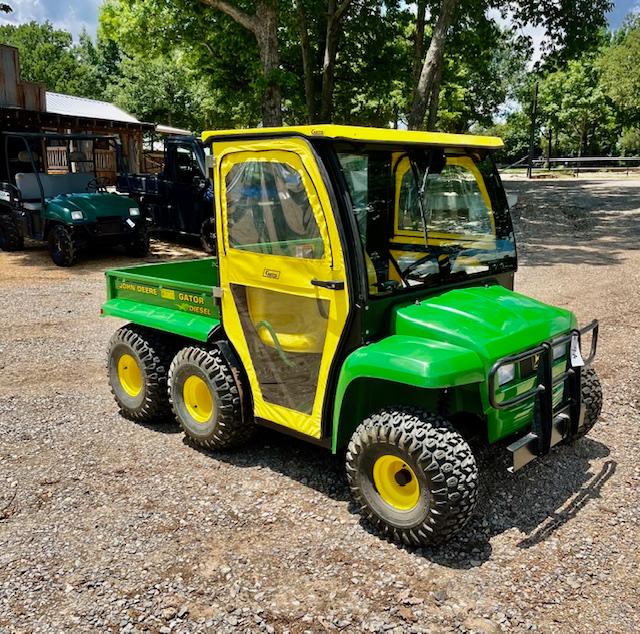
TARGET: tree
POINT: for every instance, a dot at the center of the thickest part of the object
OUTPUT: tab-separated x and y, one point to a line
572	27
573	102
621	72
427	87
48	55
217	59
263	24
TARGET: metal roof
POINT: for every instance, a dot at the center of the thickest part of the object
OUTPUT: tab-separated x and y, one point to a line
371	135
58	103
167	129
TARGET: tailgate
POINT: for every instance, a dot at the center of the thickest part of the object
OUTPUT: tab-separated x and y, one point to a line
176	297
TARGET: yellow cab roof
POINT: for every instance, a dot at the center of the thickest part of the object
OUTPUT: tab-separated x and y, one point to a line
364	134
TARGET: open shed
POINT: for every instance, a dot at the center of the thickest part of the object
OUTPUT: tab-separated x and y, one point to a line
27	106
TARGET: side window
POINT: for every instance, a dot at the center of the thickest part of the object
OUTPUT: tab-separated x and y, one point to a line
268	211
186	164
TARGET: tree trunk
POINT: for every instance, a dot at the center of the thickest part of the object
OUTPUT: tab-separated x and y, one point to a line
264	26
267	37
418	46
432	63
335	13
434	100
307	64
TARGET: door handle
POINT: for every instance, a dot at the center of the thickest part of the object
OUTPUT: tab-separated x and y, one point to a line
334	285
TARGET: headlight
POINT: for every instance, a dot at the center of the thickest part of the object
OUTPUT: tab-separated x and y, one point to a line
559	350
77	215
134	211
506	373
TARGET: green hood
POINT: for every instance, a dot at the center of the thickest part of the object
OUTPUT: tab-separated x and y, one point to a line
492	321
94	206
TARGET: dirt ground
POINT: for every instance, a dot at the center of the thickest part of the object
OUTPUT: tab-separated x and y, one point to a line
109	526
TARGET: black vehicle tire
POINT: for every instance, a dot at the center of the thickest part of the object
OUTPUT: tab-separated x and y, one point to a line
207	236
206	399
11	238
591	394
412	475
138	365
138	246
63	246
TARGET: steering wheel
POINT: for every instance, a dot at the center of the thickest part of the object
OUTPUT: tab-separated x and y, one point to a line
444	264
97	184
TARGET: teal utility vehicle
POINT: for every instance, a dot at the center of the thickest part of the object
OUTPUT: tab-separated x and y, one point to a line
69	207
361	298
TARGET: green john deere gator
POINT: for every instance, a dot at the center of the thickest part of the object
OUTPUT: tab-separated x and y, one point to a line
361	298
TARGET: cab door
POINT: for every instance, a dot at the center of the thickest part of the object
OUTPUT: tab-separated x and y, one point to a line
282	271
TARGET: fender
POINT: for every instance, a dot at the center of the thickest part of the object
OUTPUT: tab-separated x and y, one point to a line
408	360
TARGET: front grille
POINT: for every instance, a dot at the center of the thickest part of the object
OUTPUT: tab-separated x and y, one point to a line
106	226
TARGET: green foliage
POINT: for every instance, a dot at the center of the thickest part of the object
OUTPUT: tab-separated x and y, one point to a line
206	67
621	71
629	143
574	102
515	132
189	65
483	69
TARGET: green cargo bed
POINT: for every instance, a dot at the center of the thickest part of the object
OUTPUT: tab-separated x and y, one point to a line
177	297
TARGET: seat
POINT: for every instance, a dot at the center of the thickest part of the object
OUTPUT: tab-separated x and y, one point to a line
288	323
52	184
32	206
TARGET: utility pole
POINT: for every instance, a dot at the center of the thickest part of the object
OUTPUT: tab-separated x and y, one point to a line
532	140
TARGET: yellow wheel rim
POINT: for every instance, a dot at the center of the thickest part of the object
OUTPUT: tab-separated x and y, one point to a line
198	399
130	375
396	482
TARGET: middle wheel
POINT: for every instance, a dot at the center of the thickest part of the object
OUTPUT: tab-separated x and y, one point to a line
206	400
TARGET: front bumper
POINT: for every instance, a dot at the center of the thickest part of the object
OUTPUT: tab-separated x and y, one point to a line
550	424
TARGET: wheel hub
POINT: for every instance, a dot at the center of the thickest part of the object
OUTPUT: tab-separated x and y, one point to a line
129	375
396	482
198	399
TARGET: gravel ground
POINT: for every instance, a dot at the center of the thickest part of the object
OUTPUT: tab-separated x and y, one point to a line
106	525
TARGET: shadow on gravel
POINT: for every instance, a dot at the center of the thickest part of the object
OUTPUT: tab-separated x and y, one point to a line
99	257
166	425
588	492
575	223
537	500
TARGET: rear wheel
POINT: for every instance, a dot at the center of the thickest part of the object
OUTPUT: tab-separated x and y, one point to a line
206	399
207	236
591	394
11	238
138	365
412	475
138	246
63	246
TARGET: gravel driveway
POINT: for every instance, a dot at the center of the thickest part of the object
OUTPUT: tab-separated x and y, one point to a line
106	525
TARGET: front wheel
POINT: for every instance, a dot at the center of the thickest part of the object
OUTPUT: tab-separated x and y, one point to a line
11	238
412	475
208	236
591	395
138	246
63	246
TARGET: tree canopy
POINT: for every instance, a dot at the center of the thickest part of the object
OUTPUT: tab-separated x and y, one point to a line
453	65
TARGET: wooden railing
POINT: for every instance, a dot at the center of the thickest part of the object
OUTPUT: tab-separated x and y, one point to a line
105	161
57	159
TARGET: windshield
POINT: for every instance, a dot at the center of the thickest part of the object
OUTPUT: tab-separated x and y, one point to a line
428	217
